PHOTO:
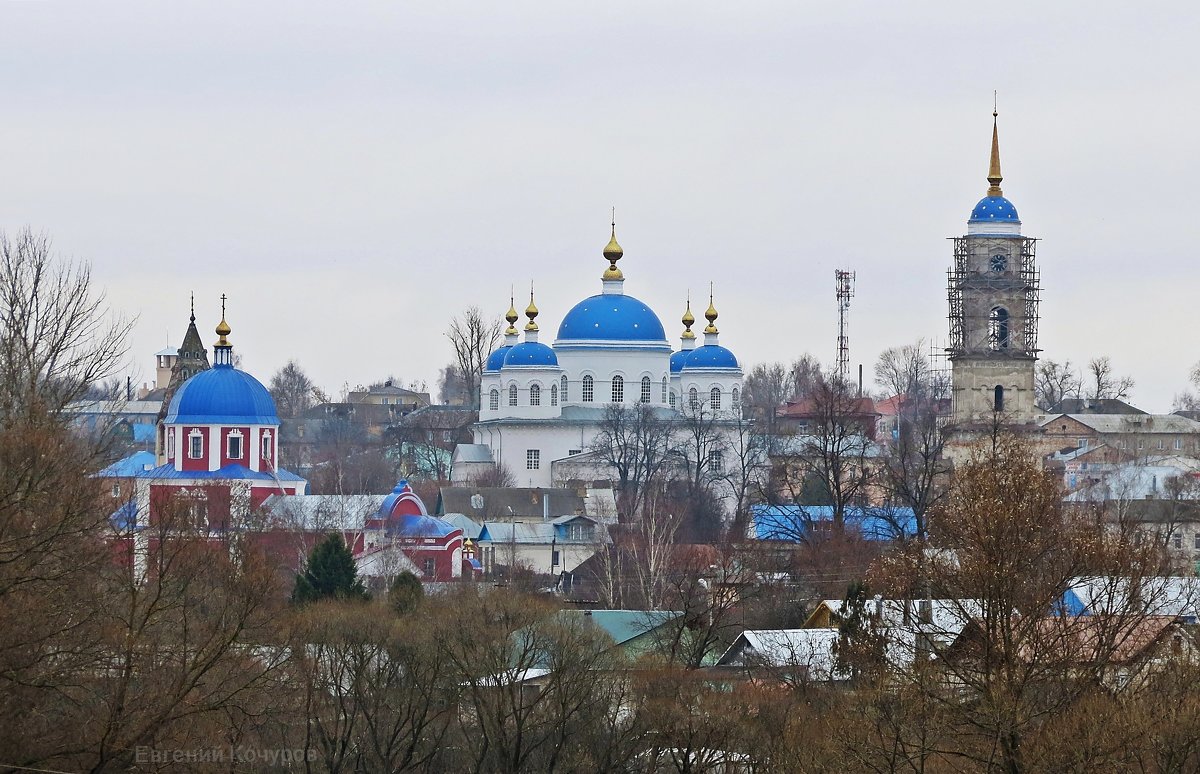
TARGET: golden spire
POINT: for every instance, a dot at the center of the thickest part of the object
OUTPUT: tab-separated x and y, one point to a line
613	253
531	311
994	176
689	320
511	316
223	328
710	314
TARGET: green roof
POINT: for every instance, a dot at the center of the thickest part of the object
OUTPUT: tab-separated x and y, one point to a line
626	625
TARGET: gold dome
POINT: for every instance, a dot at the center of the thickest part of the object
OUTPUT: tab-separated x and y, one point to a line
531	312
613	253
511	317
223	328
689	320
710	314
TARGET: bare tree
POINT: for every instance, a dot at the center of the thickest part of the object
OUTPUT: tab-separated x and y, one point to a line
904	370
452	387
806	375
636	442
1105	384
473	338
56	338
766	387
1054	382
292	390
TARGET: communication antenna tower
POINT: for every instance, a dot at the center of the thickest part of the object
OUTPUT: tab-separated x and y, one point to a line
845	292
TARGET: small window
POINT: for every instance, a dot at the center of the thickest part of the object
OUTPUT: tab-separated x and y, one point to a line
664	389
494	400
1141	443
195	445
1081	443
533	459
429	568
573	452
233	446
512	394
1162	444
998	399
535	395
171	445
266	446
1177	540
645	389
1196	541
589	388
554	558
714	398
1178	444
716	462
693	398
563	389
998	329
672	400
116	490
446	436
618	389
736	397
554	395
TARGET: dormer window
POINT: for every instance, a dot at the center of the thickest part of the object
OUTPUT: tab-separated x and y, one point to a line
195	445
233	445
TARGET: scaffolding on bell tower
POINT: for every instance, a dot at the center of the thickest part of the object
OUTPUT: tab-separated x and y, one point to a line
845	291
965	283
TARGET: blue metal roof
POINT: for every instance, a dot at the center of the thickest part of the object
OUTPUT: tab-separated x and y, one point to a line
222	395
124	518
496	359
708	357
130	467
678	358
531	353
793	523
611	317
994	209
231	472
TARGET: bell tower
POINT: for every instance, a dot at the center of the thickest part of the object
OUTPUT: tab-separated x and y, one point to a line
993	289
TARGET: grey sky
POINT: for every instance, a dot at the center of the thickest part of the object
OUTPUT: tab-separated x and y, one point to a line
354	174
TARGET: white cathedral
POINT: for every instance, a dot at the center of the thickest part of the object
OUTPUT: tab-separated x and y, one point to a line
541	406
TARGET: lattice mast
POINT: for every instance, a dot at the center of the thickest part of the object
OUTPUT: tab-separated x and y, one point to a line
845	291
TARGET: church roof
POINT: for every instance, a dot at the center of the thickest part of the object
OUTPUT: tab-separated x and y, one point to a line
611	318
222	395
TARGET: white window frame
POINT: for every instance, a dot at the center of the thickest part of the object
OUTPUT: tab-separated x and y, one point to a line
533	459
714	398
589	389
241	444
554	395
535	395
494	400
616	389
196	452
645	389
266	445
512	394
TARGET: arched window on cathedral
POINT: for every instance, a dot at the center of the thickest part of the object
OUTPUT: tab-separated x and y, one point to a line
664	390
672	399
512	394
554	394
494	400
998	399
998	334
589	390
617	394
693	399
563	389
736	397
714	398
535	395
645	389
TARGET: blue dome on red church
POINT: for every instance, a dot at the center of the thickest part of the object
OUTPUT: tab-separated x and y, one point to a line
222	395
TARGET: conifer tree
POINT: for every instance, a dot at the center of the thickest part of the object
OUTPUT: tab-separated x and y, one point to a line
329	574
406	593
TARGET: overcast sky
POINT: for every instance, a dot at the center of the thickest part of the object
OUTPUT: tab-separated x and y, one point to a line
353	175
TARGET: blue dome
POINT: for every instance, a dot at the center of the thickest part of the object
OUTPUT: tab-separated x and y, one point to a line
611	318
678	359
994	209
531	353
496	359
222	395
709	356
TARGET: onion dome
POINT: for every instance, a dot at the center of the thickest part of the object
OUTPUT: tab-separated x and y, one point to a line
687	339
613	253
496	359
609	317
712	356
222	395
994	214
531	353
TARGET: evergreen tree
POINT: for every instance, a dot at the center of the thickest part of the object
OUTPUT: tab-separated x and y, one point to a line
329	574
406	593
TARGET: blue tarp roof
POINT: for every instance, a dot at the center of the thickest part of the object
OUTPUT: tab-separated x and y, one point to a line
794	522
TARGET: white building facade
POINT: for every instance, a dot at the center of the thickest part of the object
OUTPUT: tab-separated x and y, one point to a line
542	405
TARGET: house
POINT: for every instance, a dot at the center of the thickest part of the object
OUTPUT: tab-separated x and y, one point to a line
388	394
634	633
790	655
1172	596
519	504
550	547
805	415
1133	435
